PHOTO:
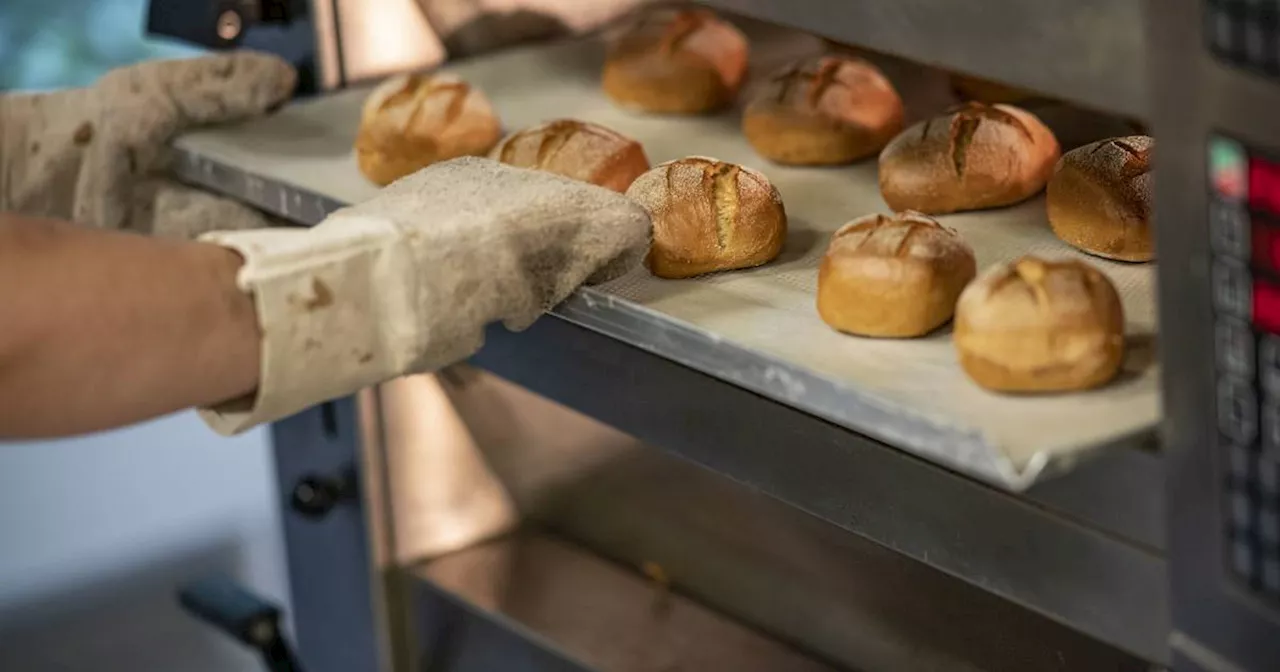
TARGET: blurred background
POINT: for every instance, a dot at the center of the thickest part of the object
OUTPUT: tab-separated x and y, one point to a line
96	533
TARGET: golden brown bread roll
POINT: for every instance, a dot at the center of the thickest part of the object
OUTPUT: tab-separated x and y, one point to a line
677	62
709	216
1099	198
1040	326
412	121
822	111
576	149
974	157
893	276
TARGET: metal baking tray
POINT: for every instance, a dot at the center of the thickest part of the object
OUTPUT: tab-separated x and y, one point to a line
756	329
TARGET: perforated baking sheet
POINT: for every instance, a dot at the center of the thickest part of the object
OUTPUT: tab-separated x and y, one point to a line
756	328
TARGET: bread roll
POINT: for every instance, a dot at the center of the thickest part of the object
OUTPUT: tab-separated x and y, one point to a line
823	111
576	149
1099	198
893	276
1040	326
676	62
412	121
709	216
976	156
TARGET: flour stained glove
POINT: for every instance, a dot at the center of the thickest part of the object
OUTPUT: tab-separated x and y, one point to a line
99	155
407	281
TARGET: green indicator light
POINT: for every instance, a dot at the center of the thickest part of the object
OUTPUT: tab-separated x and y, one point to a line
1228	168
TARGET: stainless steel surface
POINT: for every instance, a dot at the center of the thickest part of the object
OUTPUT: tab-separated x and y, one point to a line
1062	555
727	325
848	599
1088	51
598	614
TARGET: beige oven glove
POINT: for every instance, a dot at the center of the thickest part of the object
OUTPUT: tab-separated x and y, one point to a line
407	281
98	155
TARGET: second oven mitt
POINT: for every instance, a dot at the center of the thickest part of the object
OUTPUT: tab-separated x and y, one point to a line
99	156
407	281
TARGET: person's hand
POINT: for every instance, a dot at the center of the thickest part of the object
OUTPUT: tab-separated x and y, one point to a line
407	282
98	156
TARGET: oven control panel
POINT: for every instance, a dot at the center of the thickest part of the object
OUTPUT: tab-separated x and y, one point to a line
1245	33
1244	212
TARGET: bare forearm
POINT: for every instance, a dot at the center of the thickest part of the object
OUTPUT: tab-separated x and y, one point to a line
101	329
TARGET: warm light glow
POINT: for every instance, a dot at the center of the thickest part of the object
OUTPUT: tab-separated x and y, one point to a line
381	37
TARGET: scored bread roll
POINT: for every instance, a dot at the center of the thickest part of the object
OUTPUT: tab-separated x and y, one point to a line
676	62
1099	198
576	149
974	157
823	111
412	121
709	216
893	276
1040	326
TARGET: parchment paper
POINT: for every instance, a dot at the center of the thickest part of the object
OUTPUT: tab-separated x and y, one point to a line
770	310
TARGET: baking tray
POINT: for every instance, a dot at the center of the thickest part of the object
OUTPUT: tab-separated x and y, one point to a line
758	328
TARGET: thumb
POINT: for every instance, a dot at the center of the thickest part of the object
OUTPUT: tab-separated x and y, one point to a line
205	90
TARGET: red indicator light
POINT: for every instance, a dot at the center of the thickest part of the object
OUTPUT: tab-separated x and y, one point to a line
1264	185
1266	306
1266	246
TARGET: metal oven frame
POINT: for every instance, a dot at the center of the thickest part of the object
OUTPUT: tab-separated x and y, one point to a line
1076	566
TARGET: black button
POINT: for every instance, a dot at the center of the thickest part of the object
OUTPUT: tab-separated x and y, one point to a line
1237	411
1233	345
1241	513
1269	528
1242	562
1240	465
1268	479
1218	30
1271	575
1232	289
1230	229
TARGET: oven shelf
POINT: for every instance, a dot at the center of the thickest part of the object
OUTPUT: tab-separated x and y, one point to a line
757	329
1091	52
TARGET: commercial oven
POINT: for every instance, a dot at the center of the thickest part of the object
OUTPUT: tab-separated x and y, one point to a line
640	482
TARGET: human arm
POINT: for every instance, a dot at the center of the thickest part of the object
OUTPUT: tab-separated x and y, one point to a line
101	329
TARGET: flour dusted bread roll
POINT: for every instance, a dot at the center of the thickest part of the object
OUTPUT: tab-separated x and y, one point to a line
822	111
893	276
676	62
577	149
412	121
976	156
1040	326
709	216
1099	198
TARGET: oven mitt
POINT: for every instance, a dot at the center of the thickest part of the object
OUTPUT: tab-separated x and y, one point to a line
407	281
98	156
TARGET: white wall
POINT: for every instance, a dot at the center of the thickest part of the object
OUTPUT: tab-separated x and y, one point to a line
97	532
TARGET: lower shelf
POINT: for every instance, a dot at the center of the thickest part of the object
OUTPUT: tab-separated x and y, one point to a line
532	602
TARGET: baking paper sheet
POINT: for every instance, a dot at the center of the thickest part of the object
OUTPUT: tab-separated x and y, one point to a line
770	310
